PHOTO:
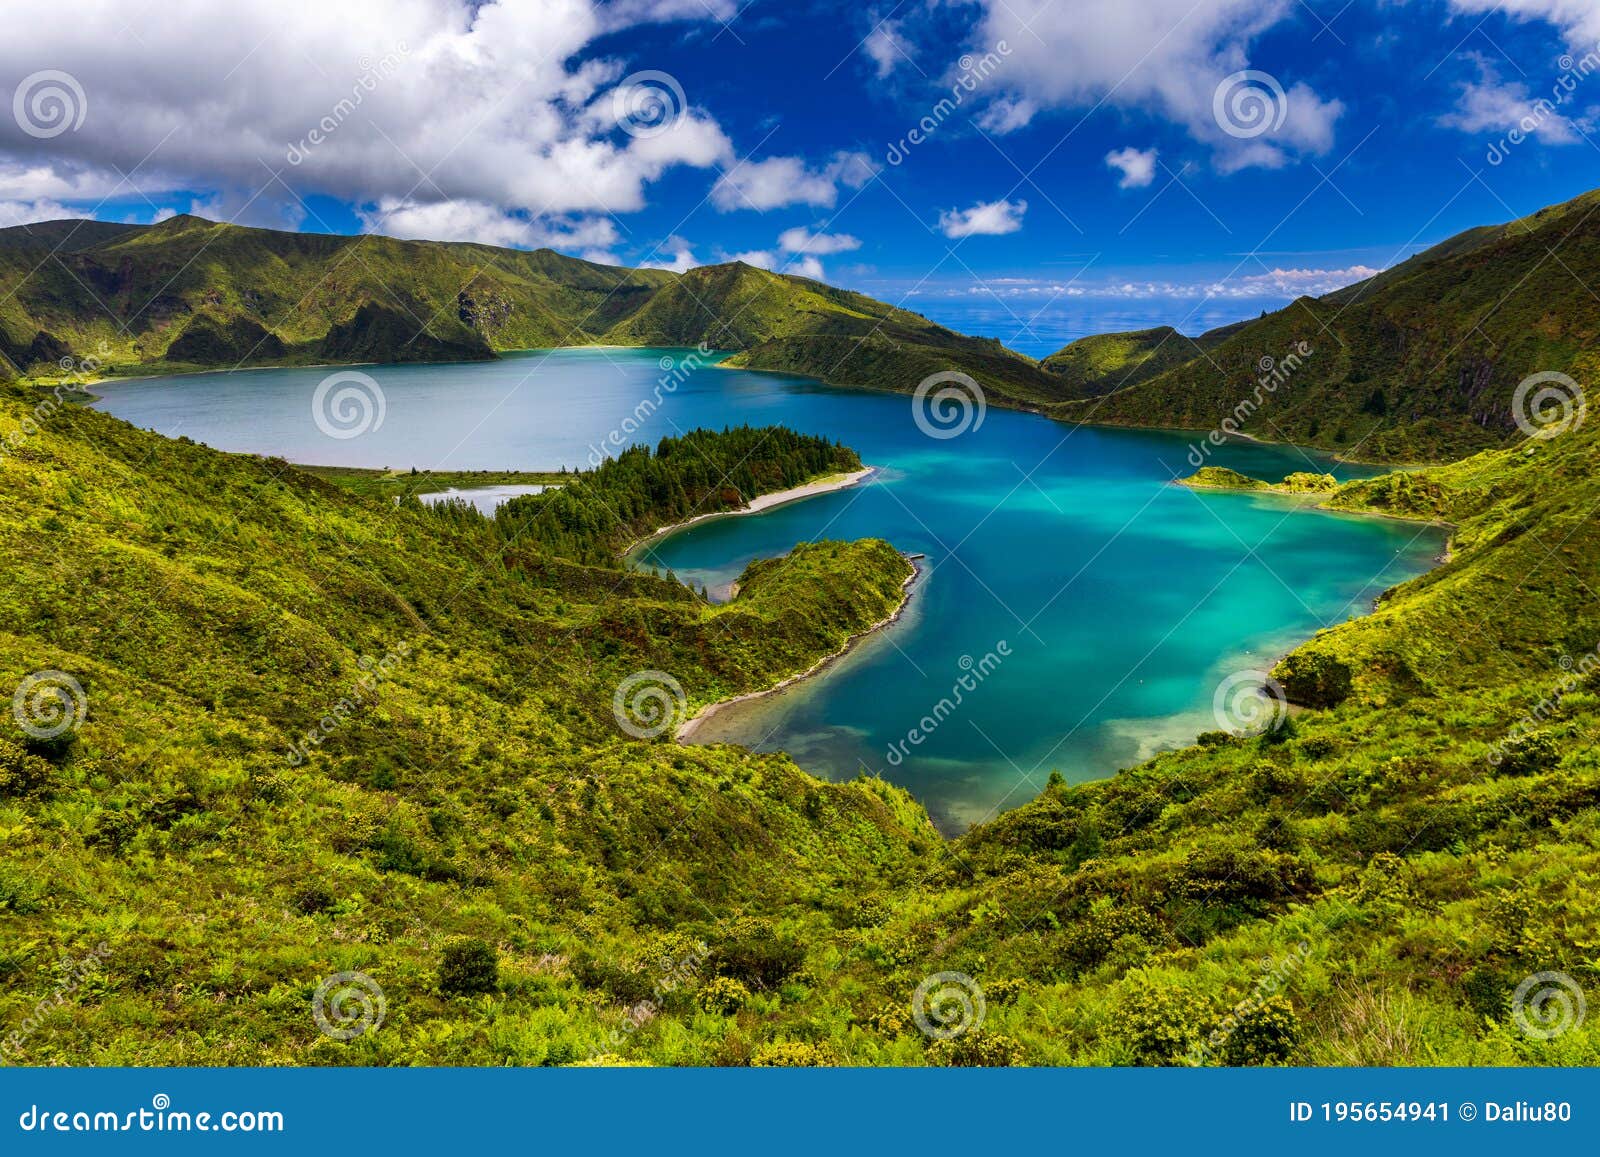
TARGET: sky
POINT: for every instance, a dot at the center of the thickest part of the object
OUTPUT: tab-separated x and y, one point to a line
1033	170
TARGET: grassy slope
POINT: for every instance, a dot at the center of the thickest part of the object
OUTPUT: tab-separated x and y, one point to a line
1417	364
190	293
1106	362
214	606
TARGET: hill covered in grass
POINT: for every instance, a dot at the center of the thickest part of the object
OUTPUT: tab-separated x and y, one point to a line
1420	363
191	294
322	733
1103	363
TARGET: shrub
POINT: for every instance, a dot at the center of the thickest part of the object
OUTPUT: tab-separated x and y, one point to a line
1269	780
723	995
112	830
1159	1023
21	771
625	981
754	952
1004	990
1315	678
794	1055
1088	942
890	1020
1247	878
468	966
1318	747
976	1049
1263	1035
1528	754
311	899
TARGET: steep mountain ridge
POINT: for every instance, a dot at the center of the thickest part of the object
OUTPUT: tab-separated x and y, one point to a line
1421	362
194	294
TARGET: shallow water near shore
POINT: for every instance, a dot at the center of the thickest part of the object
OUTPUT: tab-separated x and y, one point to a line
1086	607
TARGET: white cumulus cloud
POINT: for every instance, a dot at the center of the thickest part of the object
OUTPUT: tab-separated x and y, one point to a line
987	218
779	181
884	46
1490	104
260	104
1161	57
802	240
1137	166
486	224
680	257
1579	20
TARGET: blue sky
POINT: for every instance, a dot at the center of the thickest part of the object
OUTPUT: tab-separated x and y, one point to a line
1093	175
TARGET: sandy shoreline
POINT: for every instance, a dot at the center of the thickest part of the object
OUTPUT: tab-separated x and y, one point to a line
758	504
686	729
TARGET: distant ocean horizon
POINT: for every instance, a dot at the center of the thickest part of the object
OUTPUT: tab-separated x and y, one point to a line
1029	326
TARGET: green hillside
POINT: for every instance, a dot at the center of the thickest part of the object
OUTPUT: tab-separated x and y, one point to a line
1420	363
193	294
1102	363
326	733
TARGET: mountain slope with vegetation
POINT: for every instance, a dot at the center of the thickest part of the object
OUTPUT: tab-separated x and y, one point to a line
1102	363
1420	363
326	734
86	298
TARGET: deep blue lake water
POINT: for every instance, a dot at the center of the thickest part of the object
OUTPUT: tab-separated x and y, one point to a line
1122	601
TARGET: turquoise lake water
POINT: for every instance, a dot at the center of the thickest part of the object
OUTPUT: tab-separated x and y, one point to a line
1101	605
